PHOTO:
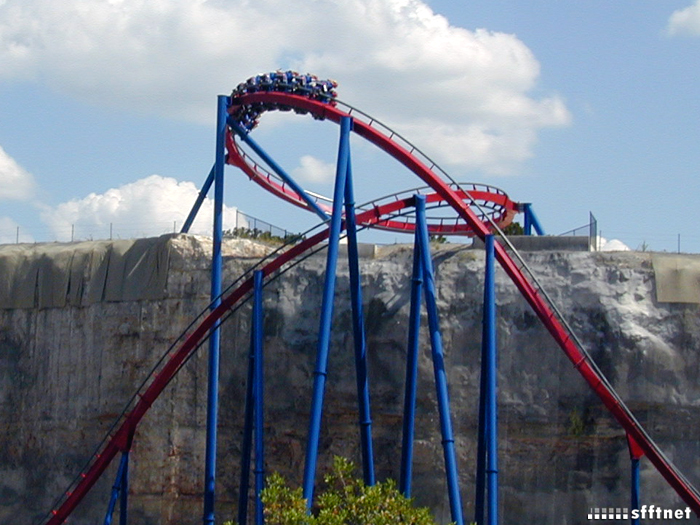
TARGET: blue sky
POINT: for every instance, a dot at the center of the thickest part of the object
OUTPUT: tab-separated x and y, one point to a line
107	107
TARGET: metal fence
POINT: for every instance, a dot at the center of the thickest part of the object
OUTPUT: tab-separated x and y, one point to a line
590	230
252	227
244	225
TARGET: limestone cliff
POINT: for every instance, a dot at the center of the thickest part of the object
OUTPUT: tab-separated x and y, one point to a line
69	364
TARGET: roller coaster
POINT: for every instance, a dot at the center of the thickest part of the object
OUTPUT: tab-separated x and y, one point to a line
478	211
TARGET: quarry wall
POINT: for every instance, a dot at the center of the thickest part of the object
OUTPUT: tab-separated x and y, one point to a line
81	325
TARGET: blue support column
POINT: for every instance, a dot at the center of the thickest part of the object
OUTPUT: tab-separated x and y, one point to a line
480	503
215	337
247	434
320	371
636	454
124	501
531	221
409	406
200	199
245	137
487	452
489	342
527	226
259	395
358	326
635	488
116	488
439	365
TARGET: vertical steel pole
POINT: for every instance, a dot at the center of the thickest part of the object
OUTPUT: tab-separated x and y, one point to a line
259	395
527	227
491	380
247	433
215	337
115	489
409	404
480	504
439	365
635	488
636	454
124	501
358	325
531	221
320	371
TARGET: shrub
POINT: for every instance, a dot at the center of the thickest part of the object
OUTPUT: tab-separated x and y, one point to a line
346	500
514	228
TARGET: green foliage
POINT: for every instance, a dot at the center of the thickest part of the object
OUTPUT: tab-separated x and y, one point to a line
261	235
514	228
439	239
577	426
283	505
346	500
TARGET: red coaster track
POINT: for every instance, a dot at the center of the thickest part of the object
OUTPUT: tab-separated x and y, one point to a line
463	201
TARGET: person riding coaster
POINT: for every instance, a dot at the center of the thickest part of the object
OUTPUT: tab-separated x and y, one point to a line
291	82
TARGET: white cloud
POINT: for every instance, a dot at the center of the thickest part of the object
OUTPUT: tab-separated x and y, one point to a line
150	206
612	245
15	182
464	96
311	169
685	21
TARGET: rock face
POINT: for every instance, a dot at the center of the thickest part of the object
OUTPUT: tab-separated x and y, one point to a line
67	372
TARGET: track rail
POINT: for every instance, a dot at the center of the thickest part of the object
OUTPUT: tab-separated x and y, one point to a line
121	437
463	202
495	205
408	155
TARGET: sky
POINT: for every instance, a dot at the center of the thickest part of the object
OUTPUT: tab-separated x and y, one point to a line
108	109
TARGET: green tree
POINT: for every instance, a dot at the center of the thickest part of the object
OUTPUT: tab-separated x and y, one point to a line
514	228
346	500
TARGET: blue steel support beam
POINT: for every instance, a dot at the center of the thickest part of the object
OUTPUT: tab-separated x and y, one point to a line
480	503
259	395
245	137
116	488
200	199
247	435
531	221
358	325
320	371
439	365
215	337
635	488
409	404
124	501
527	223
489	342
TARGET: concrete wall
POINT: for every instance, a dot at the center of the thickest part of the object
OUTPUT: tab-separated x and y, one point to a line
65	373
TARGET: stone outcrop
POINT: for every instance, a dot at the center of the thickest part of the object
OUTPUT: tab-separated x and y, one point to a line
67	371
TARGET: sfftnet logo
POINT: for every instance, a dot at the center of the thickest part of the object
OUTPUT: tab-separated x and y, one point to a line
644	512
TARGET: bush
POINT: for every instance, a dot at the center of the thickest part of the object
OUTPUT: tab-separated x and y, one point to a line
514	228
346	500
262	236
